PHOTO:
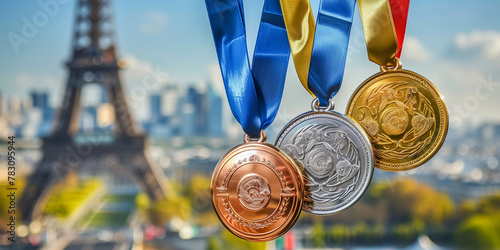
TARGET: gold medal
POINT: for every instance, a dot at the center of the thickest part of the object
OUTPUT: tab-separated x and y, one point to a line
403	113
404	116
257	190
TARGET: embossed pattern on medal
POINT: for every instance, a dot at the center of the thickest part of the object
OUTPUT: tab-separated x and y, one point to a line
257	191
336	156
404	116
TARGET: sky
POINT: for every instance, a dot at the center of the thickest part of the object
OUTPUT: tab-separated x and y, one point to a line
453	43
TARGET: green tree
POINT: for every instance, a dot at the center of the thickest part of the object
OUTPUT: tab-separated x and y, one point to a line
479	232
409	199
467	208
377	191
199	184
199	193
214	243
489	204
142	201
340	233
377	232
230	241
176	206
360	231
482	229
65	199
403	233
319	234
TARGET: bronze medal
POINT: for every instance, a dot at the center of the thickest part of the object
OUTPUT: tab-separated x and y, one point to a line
257	190
404	115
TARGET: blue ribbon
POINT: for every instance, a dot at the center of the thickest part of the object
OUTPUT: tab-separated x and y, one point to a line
331	38
254	94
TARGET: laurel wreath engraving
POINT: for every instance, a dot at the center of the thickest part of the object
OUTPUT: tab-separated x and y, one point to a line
254	158
257	225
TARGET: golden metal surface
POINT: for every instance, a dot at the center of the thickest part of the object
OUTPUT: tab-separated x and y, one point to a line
380	34
300	28
404	116
257	191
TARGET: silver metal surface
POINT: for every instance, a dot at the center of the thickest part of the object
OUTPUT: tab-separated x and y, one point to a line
337	158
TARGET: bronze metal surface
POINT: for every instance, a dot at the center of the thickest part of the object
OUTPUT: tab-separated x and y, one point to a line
404	116
257	191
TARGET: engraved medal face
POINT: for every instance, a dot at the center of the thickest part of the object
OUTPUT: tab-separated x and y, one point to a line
257	191
337	159
254	192
404	116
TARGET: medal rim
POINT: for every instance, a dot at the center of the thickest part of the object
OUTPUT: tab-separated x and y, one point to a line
403	166
364	137
292	217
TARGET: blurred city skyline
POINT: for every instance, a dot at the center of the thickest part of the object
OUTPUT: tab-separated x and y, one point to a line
170	43
171	111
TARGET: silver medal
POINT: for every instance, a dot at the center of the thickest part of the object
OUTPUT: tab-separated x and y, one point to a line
336	155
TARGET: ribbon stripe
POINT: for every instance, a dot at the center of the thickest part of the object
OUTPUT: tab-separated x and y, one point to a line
300	24
319	50
384	25
254	95
380	36
329	54
399	9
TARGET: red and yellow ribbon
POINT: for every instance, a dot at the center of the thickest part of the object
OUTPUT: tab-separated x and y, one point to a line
319	49
384	25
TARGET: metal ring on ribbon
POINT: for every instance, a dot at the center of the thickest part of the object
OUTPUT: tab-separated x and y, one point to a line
316	107
262	138
398	66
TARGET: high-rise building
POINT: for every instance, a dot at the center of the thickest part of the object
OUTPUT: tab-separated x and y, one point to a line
4	123
15	105
2	105
27	105
187	108
88	119
170	100
104	96
193	113
155	108
214	112
39	99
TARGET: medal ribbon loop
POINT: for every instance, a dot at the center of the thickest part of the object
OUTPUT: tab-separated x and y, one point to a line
384	25
319	50
254	94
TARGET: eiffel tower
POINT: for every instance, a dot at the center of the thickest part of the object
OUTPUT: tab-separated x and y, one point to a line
94	61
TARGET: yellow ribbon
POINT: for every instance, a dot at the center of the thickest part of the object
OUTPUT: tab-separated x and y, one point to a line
380	34
378	26
300	27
